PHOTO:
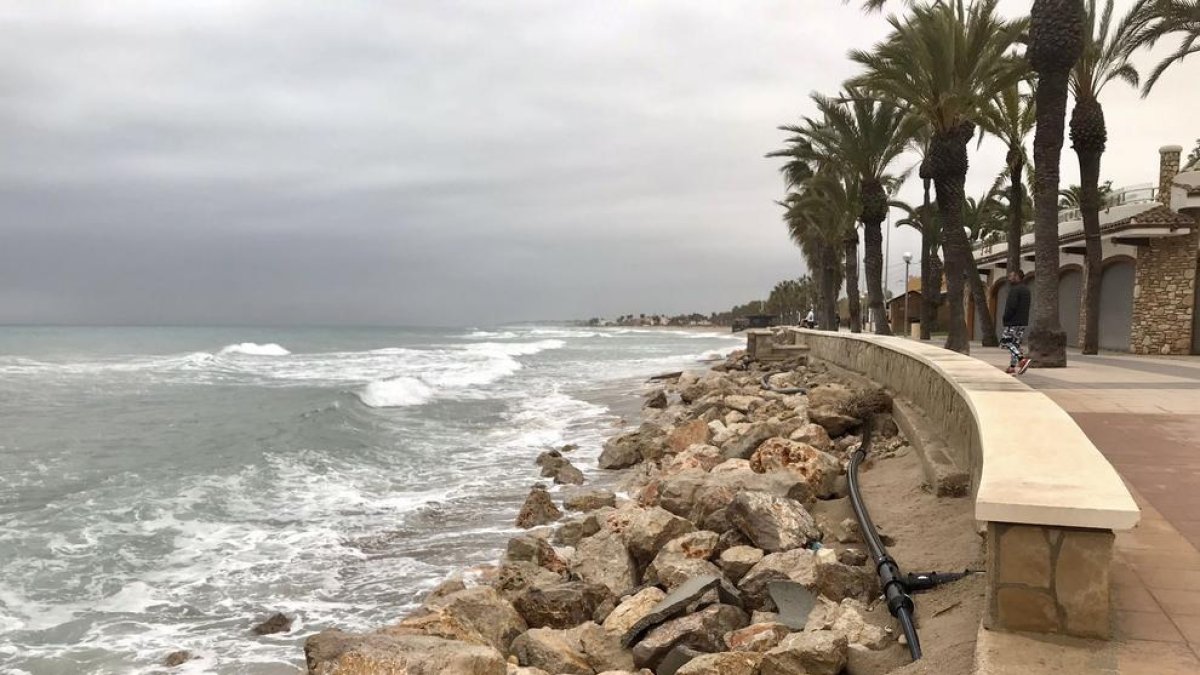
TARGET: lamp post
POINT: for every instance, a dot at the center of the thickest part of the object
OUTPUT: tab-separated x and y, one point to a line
907	262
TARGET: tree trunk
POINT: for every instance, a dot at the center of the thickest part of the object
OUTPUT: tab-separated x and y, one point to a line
1055	43
1088	135
874	210
931	285
979	295
829	287
853	304
948	160
1016	204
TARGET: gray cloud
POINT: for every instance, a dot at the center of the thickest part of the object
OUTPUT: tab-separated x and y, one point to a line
440	162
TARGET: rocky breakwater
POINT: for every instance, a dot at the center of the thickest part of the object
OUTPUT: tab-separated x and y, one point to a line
725	550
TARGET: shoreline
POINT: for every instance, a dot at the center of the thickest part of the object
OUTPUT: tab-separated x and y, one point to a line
717	478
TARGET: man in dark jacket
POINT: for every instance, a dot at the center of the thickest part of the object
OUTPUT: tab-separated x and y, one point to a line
1016	319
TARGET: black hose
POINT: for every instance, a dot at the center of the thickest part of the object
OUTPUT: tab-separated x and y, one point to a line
766	384
895	592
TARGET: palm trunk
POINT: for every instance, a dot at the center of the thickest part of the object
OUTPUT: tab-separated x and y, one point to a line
948	160
1055	43
1088	135
829	287
874	210
1016	201
852	294
979	295
930	283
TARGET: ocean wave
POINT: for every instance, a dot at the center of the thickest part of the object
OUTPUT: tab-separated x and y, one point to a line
515	348
716	354
396	393
254	349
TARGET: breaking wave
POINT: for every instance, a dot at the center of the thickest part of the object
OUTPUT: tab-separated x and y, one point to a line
254	349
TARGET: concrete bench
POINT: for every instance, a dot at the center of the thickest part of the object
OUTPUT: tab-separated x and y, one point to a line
1049	499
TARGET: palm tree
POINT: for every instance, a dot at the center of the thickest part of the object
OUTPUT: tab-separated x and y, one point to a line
983	219
1193	157
1151	20
1055	43
1102	61
817	239
924	219
1010	117
943	64
1071	197
835	200
861	137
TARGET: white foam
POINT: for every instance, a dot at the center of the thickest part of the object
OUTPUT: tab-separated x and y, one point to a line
254	349
396	393
516	348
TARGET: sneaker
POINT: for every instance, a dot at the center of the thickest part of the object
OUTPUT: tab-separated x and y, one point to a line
1022	366
1010	370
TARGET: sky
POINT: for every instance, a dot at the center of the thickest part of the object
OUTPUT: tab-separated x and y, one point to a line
433	163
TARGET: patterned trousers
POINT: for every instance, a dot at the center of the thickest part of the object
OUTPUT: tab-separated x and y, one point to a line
1012	338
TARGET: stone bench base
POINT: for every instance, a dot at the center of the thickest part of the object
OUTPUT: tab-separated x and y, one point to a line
1049	579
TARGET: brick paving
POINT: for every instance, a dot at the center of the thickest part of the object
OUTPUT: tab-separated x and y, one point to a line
1143	413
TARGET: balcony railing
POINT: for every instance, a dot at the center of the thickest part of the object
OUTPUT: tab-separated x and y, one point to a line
1131	195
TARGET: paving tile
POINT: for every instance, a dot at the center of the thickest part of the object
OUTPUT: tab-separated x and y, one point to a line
1189	626
1134	597
1160	578
1141	657
1139	625
1178	602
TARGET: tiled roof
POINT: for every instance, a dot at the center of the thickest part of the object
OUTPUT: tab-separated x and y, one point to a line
1189	181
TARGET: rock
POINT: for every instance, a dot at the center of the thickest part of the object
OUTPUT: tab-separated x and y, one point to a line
836	580
814	435
521	670
569	533
744	444
818	653
590	500
563	605
723	663
764	617
554	651
656	399
834	422
847	619
332	652
603	559
647	530
834	396
693	433
861	660
701	457
736	561
539	509
743	404
689	596
177	658
757	637
602	648
478	615
703	631
845	444
628	449
535	550
818	469
514	578
853	557
733	417
277	623
772	523
701	544
797	565
674	570
451	585
633	609
567	474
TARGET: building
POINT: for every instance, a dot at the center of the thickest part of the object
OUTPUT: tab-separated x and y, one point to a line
1149	237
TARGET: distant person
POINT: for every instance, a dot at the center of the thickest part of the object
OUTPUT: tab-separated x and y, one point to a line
1016	320
810	320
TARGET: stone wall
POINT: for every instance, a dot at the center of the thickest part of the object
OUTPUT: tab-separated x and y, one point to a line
1048	579
1164	294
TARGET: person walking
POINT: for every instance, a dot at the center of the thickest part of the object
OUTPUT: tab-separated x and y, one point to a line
810	321
1016	320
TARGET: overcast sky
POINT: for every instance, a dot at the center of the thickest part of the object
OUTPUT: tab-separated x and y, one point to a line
439	162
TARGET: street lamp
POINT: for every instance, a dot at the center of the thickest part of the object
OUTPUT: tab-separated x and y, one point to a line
907	262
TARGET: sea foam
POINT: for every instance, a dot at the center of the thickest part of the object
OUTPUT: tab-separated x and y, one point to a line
397	392
254	349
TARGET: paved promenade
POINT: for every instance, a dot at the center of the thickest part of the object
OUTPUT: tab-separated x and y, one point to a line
1143	413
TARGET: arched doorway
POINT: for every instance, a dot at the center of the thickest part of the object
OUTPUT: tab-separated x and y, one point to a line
1070	294
1116	304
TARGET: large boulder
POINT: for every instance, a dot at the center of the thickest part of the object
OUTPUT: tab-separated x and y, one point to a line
590	500
647	530
583	650
682	437
628	449
478	614
744	444
834	396
683	558
848	619
798	565
603	559
332	652
722	663
703	631
833	421
656	399
819	469
816	653
514	578
563	605
538	509
698	456
536	550
757	637
743	404
772	523
836	580
814	435
633	609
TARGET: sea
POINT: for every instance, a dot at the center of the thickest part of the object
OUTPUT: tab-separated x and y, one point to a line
166	489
